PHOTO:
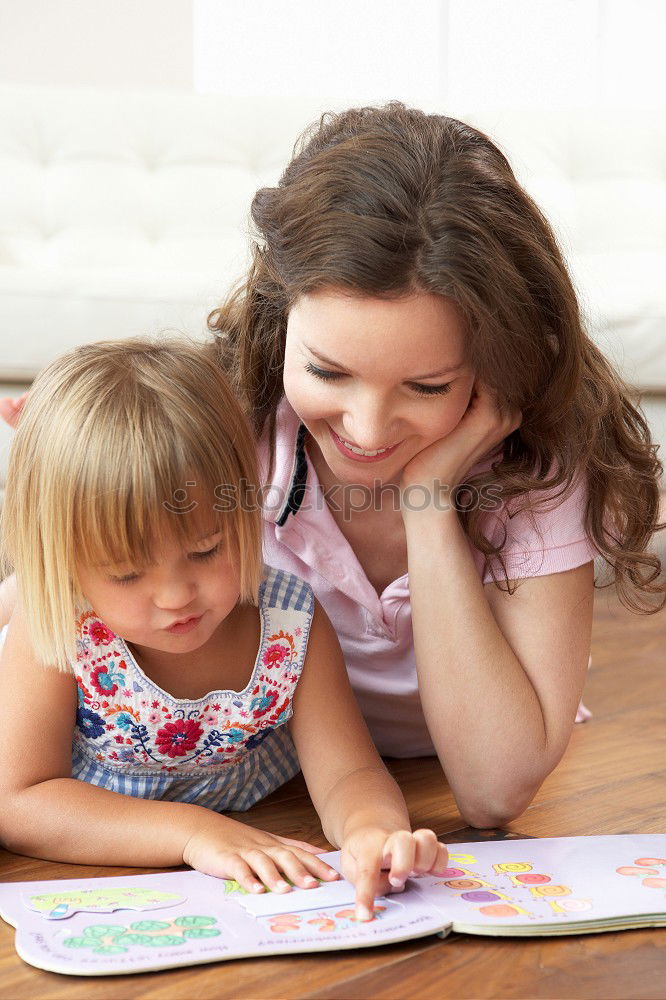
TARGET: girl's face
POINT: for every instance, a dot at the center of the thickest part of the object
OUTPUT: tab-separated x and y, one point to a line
175	604
375	381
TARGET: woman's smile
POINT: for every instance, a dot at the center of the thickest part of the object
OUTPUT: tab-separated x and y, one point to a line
358	454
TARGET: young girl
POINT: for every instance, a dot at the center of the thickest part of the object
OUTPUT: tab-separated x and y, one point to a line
154	673
418	306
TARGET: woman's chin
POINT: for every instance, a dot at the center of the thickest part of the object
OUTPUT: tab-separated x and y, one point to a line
365	475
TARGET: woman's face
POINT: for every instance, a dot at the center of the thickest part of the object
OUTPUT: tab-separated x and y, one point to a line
375	381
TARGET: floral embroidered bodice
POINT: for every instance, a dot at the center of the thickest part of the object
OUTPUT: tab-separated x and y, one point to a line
127	724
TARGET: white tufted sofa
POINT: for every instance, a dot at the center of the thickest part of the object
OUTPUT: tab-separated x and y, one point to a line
127	212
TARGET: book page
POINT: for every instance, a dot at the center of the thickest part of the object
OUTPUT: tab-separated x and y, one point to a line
139	923
552	881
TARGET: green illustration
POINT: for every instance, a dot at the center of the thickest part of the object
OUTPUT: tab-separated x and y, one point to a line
114	939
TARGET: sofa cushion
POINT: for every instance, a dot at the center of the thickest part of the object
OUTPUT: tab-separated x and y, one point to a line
123	213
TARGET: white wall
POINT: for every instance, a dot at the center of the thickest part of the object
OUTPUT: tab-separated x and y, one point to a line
454	53
368	50
457	54
555	53
104	43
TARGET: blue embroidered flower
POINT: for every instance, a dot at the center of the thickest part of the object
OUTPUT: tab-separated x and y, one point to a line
90	723
126	754
235	735
124	720
256	739
260	706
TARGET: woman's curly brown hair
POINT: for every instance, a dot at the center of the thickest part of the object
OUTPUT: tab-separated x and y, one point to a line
388	201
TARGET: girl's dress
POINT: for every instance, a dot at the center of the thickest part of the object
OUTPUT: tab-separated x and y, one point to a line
226	750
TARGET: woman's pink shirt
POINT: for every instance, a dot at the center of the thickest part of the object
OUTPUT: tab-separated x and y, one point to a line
375	631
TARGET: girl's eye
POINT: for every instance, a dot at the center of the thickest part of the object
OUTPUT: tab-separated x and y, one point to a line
322	373
203	556
130	578
431	390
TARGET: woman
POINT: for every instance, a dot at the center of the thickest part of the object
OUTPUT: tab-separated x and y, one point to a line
408	327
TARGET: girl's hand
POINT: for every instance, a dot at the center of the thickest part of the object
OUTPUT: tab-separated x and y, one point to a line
11	408
446	462
378	862
257	860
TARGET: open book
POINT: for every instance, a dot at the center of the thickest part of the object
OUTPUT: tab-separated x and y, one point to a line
141	923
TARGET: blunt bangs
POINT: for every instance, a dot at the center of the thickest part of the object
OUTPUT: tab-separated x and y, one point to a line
124	447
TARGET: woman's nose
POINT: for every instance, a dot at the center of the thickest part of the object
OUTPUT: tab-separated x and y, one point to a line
367	421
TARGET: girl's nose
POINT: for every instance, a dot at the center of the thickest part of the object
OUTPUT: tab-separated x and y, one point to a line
174	594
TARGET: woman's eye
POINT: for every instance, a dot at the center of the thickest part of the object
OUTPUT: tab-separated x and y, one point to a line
431	390
130	578
208	554
322	373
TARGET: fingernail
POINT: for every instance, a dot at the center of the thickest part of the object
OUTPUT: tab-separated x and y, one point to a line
258	887
311	880
395	881
282	885
363	913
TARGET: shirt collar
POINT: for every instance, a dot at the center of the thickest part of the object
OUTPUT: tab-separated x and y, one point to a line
285	493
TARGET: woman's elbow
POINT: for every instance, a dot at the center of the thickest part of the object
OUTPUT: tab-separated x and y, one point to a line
492	814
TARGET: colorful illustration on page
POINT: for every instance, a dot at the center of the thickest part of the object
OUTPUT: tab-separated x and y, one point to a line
323	921
116	939
649	870
58	905
498	896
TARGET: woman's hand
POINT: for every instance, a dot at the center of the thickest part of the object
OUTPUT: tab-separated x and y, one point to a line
446	462
378	862
11	408
257	860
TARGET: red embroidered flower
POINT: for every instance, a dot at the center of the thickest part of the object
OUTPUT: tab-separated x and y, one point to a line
99	633
279	710
265	704
102	681
275	655
175	739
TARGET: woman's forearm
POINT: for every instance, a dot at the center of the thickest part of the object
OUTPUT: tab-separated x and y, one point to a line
482	711
63	819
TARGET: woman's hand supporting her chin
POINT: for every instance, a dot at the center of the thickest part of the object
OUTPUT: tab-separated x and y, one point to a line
499	712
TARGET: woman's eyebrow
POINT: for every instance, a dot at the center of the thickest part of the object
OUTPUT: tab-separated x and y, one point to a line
414	378
443	371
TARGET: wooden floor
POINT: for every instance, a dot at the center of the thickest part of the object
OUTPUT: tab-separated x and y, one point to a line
610	781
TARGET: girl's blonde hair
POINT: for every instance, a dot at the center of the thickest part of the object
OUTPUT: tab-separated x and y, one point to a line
388	201
112	441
